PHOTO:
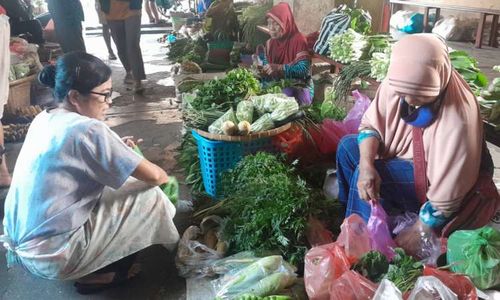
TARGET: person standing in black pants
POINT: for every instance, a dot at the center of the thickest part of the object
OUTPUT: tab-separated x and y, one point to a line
68	17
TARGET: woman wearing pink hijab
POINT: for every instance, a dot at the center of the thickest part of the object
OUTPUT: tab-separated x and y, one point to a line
422	99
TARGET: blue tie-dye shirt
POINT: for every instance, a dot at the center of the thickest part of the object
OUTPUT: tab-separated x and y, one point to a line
64	164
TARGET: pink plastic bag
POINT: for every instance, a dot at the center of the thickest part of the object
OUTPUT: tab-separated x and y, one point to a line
332	131
354	237
353	118
352	286
379	231
317	234
323	265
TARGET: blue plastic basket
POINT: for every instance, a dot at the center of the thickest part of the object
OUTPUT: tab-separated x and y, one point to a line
218	156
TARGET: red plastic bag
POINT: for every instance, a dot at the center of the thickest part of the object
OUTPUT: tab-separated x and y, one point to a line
323	265
379	230
290	141
332	131
459	284
352	286
317	234
354	237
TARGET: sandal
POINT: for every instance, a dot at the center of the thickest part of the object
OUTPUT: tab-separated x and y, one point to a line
121	269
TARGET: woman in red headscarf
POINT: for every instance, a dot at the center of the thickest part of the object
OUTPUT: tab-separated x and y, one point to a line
286	55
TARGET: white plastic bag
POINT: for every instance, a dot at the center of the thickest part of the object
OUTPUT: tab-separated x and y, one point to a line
387	290
452	28
429	287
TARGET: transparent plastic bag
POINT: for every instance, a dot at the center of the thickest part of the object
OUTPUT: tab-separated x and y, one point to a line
387	290
266	103
354	237
381	239
324	264
461	285
192	256
266	276
352	286
216	127
265	122
401	222
429	287
285	109
231	264
244	111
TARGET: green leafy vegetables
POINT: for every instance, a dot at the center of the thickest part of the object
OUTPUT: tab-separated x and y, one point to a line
268	207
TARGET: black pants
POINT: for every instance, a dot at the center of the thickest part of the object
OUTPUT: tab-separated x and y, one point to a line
32	29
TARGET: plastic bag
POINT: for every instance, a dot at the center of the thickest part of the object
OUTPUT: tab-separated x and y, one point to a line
192	256
381	239
476	253
387	290
216	127
301	95
171	189
266	276
407	21
459	284
331	185
429	287
244	111
455	29
401	222
353	118
284	109
352	286
231	264
317	234
267	103
263	123
324	264
333	131
354	237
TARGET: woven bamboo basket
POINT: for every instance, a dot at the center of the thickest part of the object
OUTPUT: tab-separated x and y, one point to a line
20	93
244	138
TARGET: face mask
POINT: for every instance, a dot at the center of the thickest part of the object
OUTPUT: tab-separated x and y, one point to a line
418	117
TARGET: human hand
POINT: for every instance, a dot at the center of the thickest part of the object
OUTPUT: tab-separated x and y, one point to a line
368	183
273	69
129	140
417	240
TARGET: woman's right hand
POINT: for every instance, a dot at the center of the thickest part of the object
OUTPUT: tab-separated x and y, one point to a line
369	182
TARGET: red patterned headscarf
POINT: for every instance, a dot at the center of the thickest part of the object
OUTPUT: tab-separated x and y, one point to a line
292	46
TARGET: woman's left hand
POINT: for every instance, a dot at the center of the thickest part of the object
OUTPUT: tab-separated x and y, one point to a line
273	69
129	140
415	238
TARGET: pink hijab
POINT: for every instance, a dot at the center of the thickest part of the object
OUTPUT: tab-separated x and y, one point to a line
420	66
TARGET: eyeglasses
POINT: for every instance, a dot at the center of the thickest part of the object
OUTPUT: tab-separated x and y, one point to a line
107	96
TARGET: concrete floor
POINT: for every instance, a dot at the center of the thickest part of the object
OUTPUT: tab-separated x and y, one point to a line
155	118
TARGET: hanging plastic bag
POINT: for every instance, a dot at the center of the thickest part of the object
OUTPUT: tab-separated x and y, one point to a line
459	284
324	264
353	118
381	239
354	237
387	290
352	286
476	253
266	276
429	287
317	234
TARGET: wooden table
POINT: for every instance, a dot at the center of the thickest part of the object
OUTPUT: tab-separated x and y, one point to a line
391	6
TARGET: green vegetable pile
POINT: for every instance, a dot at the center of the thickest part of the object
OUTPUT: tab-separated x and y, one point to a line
404	271
490	100
189	161
328	109
268	207
348	47
350	73
380	64
188	50
466	65
250	18
373	265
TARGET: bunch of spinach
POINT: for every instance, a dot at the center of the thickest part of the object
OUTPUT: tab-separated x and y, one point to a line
227	91
404	270
373	265
188	50
268	207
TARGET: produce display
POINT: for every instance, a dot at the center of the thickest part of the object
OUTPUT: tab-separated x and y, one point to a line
489	100
267	205
188	50
250	18
467	66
